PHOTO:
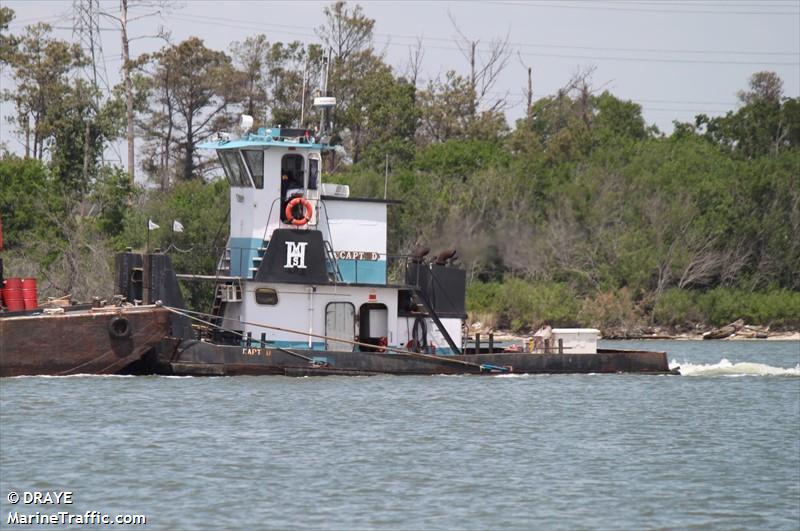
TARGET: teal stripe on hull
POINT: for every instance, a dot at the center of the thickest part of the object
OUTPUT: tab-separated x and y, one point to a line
299	345
319	345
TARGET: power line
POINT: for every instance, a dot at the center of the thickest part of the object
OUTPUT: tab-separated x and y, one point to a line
653	50
246	25
518	44
691	4
25	21
96	29
693	111
730	104
596	7
699	3
663	60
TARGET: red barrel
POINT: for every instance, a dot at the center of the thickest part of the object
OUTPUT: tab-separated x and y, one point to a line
12	295
29	296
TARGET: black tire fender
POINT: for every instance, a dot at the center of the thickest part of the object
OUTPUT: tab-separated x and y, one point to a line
120	327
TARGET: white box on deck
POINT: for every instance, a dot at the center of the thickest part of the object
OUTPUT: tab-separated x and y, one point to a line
577	340
336	190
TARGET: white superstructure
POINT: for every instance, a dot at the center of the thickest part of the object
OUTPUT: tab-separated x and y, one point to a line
306	257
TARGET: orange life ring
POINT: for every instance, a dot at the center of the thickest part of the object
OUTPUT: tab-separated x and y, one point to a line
309	208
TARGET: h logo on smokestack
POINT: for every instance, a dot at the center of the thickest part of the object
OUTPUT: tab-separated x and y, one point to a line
295	255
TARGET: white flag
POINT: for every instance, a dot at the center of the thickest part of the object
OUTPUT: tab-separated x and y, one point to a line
151	225
177	226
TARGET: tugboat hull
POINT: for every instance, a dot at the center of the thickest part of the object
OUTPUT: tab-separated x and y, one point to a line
197	358
92	341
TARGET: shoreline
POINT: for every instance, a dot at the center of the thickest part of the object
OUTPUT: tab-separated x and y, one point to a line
778	336
507	337
792	335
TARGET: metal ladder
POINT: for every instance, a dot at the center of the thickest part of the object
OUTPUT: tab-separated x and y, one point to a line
224	264
218	306
330	258
224	292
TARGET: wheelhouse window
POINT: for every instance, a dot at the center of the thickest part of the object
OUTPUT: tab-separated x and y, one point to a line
313	172
266	296
291	180
234	168
292	168
255	163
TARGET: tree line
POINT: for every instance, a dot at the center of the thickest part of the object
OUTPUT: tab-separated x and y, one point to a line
578	213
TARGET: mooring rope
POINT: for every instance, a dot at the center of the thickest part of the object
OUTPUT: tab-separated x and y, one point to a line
93	360
240	334
439	359
75	370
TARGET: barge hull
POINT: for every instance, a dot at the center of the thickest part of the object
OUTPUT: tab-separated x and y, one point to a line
80	342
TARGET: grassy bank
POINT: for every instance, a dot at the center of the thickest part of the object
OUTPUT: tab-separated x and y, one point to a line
520	306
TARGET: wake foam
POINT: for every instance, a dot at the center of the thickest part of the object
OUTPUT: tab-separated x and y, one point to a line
725	368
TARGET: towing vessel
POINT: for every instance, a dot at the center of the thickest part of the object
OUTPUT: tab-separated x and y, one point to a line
306	286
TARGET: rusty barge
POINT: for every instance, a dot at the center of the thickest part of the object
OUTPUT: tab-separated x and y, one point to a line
64	340
79	339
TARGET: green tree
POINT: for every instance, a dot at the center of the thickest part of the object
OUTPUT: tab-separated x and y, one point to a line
250	57
447	109
41	68
193	93
60	116
26	191
767	123
202	208
8	42
83	125
382	118
279	78
365	90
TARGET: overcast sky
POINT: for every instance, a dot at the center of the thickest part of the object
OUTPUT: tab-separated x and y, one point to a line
675	58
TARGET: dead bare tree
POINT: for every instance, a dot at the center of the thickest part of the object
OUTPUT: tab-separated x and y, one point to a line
122	20
707	264
415	55
484	68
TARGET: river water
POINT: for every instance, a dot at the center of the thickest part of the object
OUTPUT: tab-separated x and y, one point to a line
718	448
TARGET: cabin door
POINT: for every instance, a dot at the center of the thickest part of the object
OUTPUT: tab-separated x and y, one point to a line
373	326
340	323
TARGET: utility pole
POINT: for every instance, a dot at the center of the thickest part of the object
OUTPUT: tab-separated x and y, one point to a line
122	20
386	178
126	75
473	81
530	91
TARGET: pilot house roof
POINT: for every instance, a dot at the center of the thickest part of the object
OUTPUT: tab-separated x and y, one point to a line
272	137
